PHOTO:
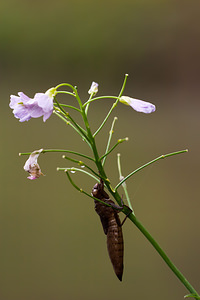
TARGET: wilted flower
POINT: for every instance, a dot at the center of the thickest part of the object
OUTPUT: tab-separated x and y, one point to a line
138	105
25	108
93	89
31	165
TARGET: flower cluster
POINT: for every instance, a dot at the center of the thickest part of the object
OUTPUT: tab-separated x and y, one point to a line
25	108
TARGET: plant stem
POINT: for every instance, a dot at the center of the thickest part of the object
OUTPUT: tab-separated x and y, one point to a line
65	151
69	106
113	106
109	138
82	191
124	184
118	142
82	164
77	169
90	138
147	164
164	256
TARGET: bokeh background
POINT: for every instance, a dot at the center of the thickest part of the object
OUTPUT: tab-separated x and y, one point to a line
52	245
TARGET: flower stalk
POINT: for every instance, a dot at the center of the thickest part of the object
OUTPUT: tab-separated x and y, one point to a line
43	104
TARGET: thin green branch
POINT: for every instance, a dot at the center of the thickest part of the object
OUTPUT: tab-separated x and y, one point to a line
147	164
113	106
61	150
192	296
60	107
82	164
68	151
66	121
123	86
80	130
75	93
118	142
69	106
65	92
57	113
99	98
65	84
94	148
109	138
78	98
82	191
124	184
73	170
109	97
87	106
105	120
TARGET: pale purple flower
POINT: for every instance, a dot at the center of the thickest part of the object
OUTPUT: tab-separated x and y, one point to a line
25	108
138	105
93	89
31	165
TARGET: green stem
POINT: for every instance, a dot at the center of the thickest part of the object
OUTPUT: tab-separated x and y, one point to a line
98	162
57	113
82	191
164	256
69	106
115	194
65	151
65	84
109	97
106	118
113	106
99	98
92	141
82	164
79	129
78	98
124	184
65	92
78	170
64	118
118	142
147	164
109	139
87	106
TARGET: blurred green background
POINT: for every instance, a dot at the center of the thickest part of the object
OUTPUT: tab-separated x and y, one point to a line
52	245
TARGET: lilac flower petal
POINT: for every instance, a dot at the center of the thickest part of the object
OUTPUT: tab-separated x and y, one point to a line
25	108
138	105
22	115
142	106
46	115
44	101
32	160
23	97
36	112
19	109
32	166
13	101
